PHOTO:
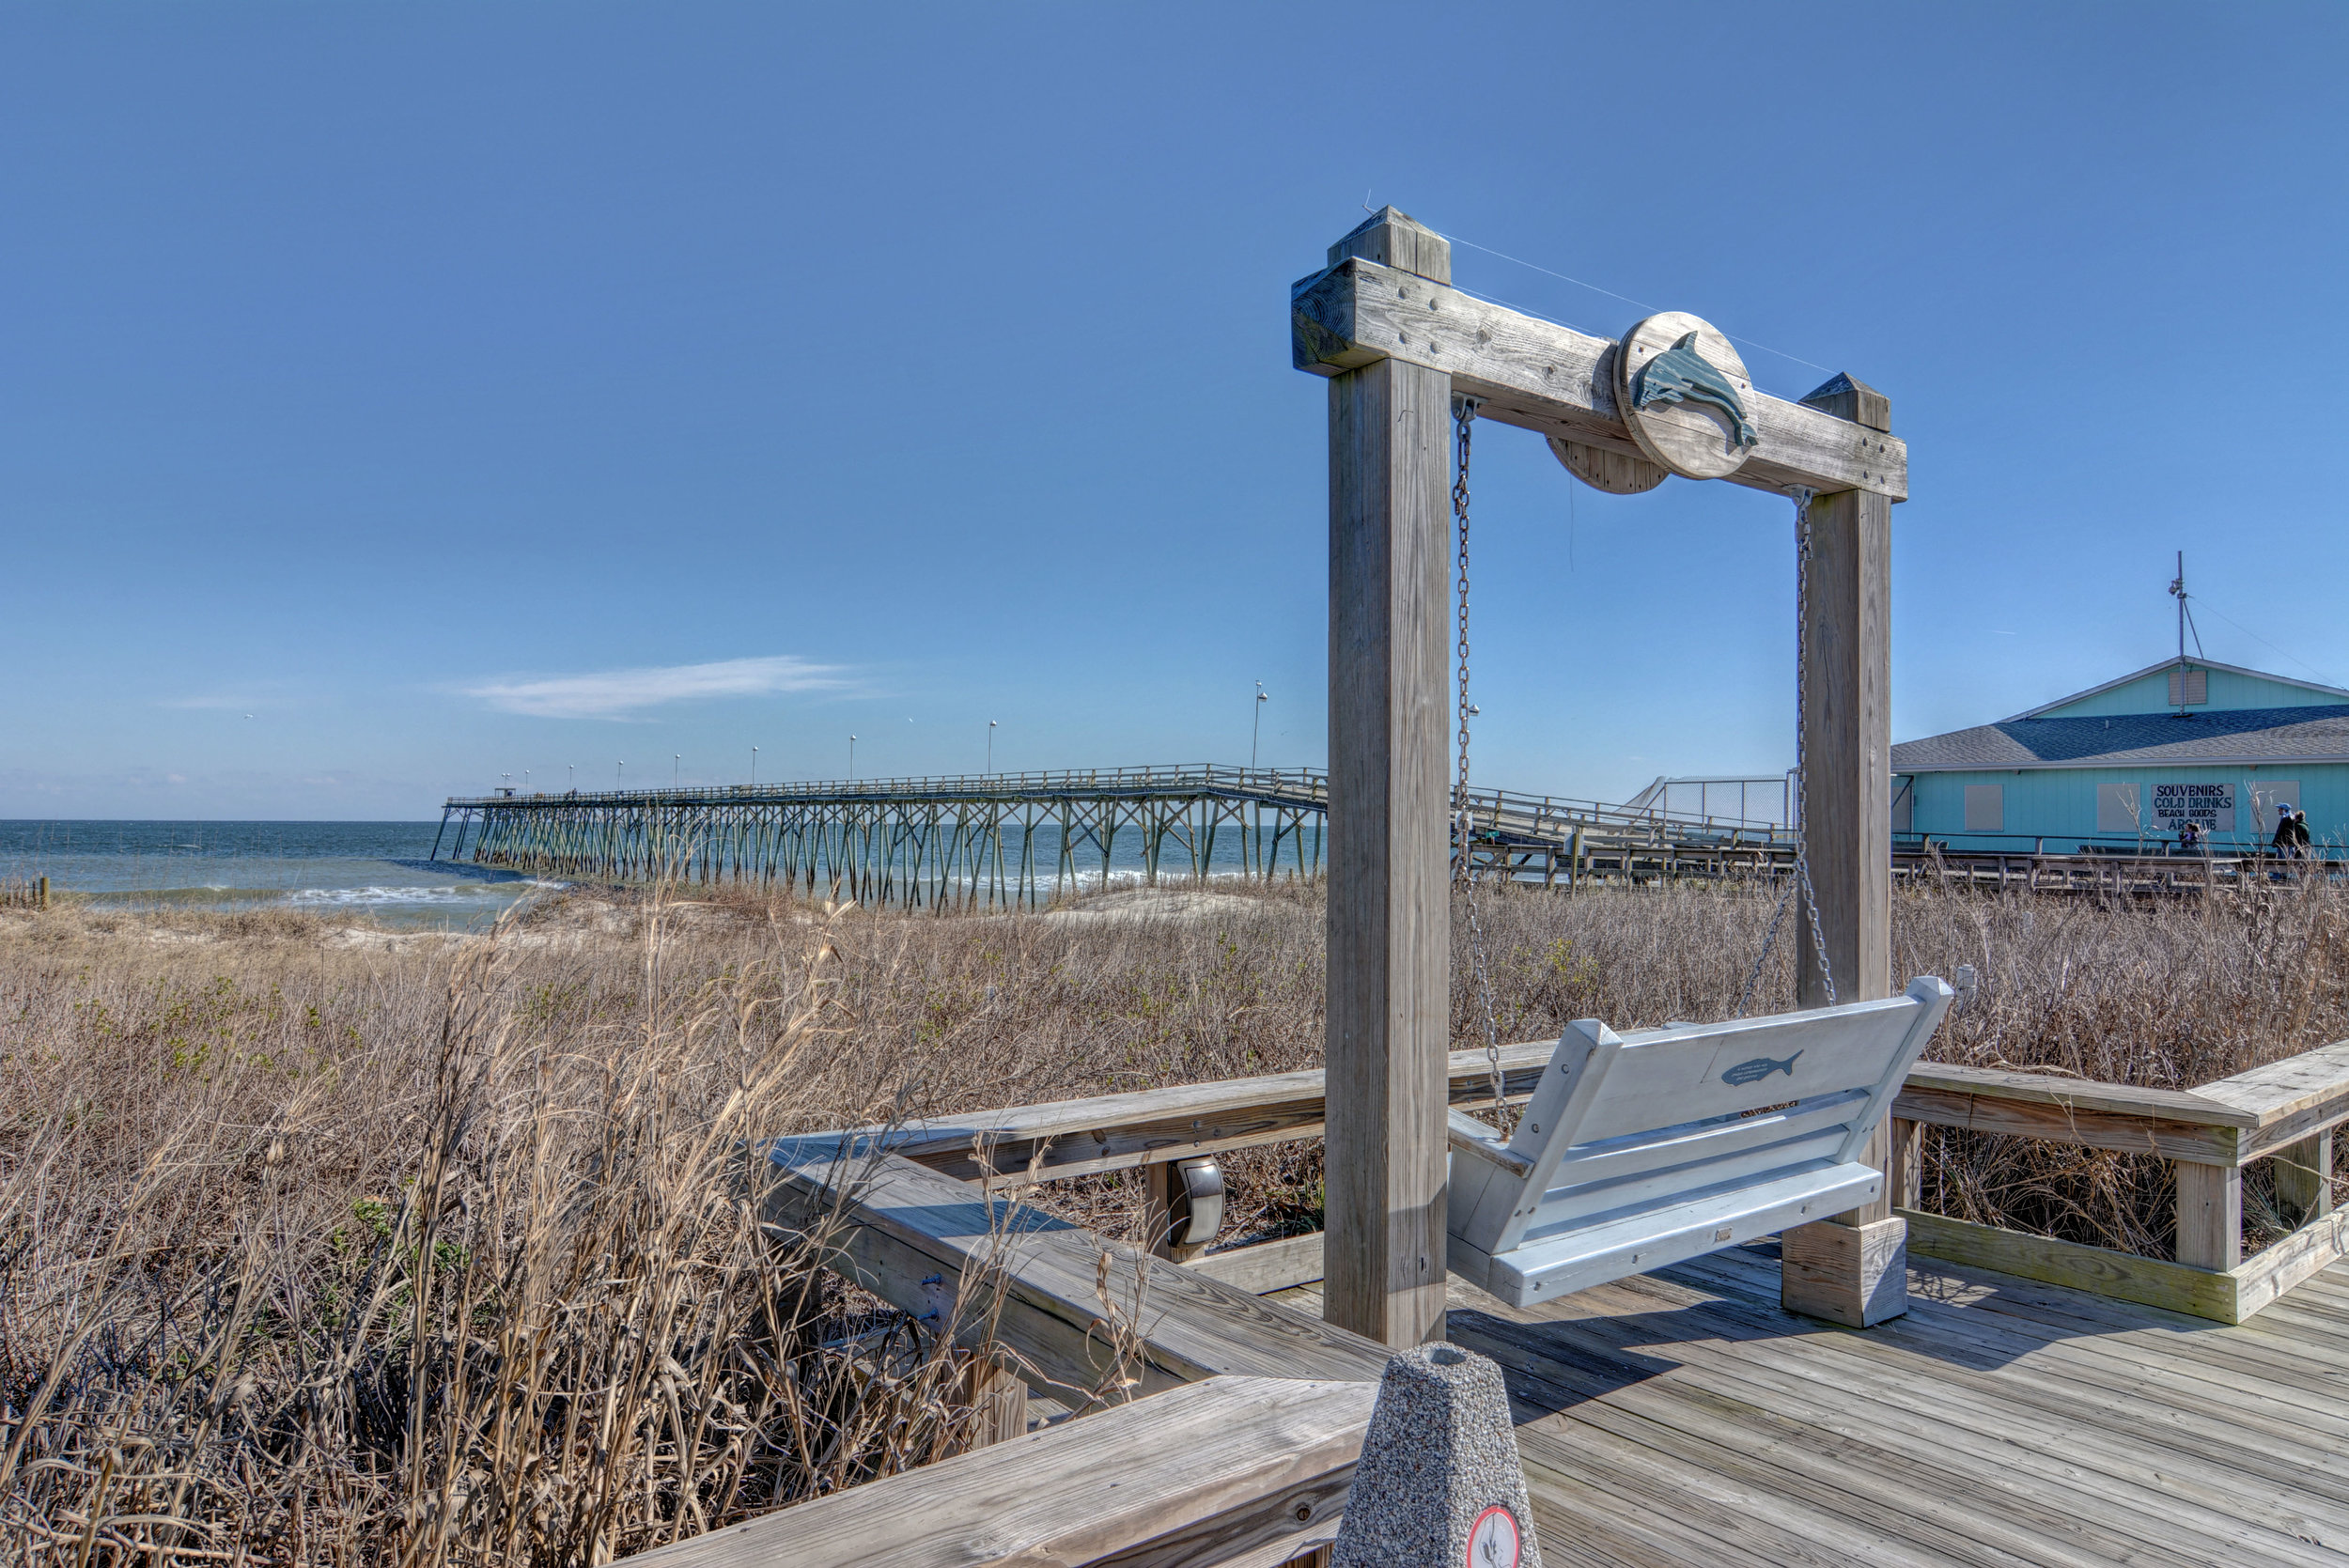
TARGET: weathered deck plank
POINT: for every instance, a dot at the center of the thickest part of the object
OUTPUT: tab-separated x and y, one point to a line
2000	1422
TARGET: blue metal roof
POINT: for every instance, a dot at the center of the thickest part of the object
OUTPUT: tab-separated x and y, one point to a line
2245	735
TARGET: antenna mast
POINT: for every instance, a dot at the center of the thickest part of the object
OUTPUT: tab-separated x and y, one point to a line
2177	591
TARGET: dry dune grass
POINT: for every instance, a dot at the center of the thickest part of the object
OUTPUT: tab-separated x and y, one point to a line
326	1246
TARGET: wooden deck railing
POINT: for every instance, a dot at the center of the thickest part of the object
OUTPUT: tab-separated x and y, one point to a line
1252	1415
2285	1112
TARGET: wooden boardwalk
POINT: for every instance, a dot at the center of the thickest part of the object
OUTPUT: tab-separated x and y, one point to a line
1683	1419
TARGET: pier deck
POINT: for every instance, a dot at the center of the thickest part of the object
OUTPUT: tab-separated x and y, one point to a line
1684	1419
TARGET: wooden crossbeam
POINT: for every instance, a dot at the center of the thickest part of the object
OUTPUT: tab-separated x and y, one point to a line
1195	1475
941	1248
1542	377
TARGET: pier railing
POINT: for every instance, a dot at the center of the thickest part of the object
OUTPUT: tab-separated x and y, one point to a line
987	839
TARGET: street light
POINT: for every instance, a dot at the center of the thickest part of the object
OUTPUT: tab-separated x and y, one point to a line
525	781
990	745
617	769
754	768
678	769
852	759
1256	728
570	772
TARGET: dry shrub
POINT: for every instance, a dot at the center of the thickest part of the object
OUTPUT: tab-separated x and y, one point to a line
422	1254
322	1244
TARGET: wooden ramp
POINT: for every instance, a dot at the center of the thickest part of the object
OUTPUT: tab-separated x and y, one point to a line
1684	1419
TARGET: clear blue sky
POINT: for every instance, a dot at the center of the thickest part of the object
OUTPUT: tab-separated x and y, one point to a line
455	390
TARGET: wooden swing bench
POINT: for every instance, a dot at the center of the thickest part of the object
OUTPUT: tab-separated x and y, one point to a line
1635	1154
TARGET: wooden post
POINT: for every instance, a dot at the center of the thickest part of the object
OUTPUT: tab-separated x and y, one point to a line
2210	1214
1389	914
1907	1175
2304	1178
997	1401
1847	830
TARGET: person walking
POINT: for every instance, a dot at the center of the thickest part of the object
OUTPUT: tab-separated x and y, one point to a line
2300	851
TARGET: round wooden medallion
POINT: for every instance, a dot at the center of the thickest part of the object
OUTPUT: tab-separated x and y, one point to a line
1684	395
1616	473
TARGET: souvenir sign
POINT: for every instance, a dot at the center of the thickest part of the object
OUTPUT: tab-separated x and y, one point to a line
1685	396
1493	1540
1616	473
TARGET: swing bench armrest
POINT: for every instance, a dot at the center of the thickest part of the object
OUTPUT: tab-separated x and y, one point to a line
1469	1136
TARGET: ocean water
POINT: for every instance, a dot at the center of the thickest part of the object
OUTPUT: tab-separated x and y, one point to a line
383	869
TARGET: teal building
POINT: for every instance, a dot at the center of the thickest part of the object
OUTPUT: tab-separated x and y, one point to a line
2127	764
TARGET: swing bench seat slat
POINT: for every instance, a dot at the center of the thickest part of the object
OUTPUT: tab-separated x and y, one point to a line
1633	1155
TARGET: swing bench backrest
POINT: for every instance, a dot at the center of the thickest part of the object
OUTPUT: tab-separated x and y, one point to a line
1635	1154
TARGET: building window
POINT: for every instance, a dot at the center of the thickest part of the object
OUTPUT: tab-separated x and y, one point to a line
2272	796
1985	808
1903	805
2116	809
2188	687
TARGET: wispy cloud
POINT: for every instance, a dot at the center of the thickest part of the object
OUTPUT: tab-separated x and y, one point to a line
232	700
619	694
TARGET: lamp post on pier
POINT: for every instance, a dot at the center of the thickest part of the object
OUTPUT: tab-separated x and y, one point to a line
990	746
677	770
754	768
1256	728
852	759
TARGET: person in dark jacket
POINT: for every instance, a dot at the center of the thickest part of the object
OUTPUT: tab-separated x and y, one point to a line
2292	833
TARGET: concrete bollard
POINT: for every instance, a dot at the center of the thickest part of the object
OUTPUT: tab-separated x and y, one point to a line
1440	1484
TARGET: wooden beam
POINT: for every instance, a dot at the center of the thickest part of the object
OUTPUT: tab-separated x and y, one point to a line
976	1267
2149	1282
2210	1215
1543	377
1265	1266
1848	782
2304	1177
1196	1475
2289	1099
2045	1114
1389	949
2186	1108
1120	1132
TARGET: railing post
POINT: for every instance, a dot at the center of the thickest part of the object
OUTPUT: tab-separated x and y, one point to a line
2210	1214
2304	1177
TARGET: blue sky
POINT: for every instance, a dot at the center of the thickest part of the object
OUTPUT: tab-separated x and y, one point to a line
396	396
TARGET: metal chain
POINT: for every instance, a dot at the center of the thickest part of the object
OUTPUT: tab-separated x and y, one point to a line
1802	805
1802	731
1463	420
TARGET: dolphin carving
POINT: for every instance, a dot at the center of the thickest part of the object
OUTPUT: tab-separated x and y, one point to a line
1681	375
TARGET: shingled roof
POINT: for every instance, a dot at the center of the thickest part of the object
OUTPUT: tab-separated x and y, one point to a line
2245	735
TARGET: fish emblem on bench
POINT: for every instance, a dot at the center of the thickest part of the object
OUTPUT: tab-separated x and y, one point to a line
1758	1069
1681	375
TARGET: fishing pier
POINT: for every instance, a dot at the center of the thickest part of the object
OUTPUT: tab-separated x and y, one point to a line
1013	840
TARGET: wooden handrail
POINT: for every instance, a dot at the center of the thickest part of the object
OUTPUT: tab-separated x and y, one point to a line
2227	1122
1202	1473
970	1265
